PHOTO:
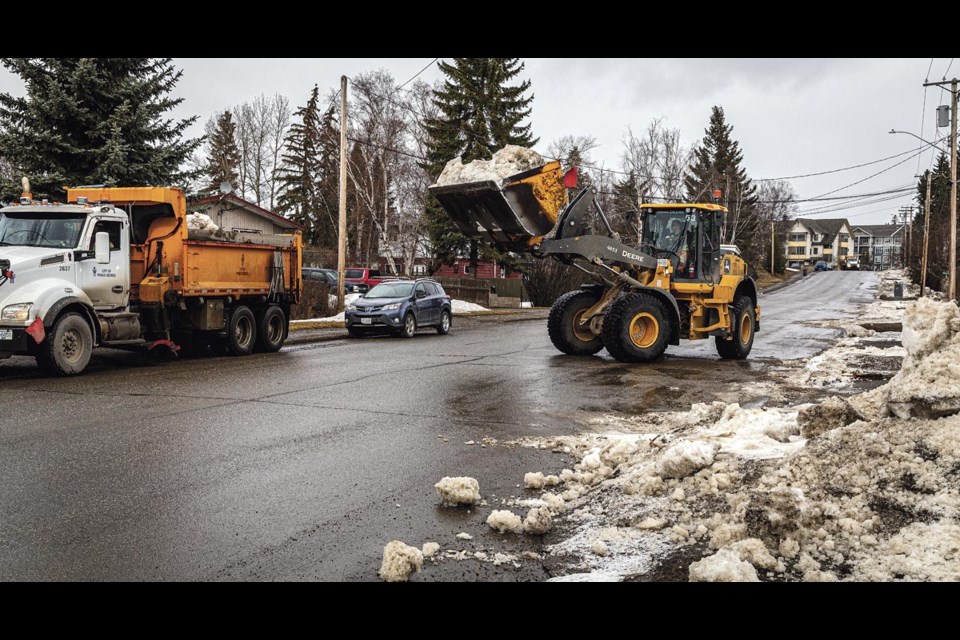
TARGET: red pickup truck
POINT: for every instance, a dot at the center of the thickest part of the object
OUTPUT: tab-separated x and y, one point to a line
361	279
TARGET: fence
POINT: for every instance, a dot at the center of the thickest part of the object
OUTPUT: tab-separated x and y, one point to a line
491	293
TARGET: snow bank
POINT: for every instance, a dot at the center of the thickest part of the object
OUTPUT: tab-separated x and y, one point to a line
723	566
505	521
686	458
506	162
458	490
462	306
201	222
337	318
400	561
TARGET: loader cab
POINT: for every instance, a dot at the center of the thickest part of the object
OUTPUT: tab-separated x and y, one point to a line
687	236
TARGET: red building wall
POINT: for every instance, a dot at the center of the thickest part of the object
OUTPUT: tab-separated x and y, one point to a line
487	269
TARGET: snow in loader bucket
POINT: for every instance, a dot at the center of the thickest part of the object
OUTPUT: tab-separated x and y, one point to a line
511	211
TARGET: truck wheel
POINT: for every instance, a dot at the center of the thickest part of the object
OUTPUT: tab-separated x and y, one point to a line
241	332
445	323
636	328
565	334
67	349
744	328
409	326
271	329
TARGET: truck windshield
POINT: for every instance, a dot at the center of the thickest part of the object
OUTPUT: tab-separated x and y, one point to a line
40	229
391	290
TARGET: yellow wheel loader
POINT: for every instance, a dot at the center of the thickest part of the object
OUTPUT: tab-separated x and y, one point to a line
678	282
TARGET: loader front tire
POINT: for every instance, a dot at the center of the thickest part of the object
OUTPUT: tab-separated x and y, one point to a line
744	328
565	332
636	328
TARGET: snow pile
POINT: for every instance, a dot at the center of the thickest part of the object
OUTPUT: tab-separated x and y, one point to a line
505	521
928	385
723	566
400	561
460	490
337	318
462	306
201	222
506	162
830	414
686	458
539	481
756	433
539	521
430	549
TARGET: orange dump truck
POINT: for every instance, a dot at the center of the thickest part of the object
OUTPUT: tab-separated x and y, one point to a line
128	268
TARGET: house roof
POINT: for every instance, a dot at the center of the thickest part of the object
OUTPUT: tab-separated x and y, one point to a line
829	227
880	230
251	207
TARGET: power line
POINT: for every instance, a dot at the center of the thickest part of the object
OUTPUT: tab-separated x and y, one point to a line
823	173
416	75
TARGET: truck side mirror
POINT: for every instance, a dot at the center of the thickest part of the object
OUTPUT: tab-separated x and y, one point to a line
102	248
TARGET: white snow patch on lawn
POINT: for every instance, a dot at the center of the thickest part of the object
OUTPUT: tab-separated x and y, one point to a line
462	306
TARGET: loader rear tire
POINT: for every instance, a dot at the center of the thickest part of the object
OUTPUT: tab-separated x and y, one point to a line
564	333
636	328
744	328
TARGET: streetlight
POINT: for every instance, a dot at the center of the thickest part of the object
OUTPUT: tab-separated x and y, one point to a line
932	144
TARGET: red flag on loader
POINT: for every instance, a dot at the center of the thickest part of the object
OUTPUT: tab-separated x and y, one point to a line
570	178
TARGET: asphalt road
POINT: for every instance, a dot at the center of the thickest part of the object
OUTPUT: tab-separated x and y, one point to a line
303	464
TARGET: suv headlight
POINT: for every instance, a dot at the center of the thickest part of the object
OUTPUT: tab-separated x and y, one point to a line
351	307
16	312
391	307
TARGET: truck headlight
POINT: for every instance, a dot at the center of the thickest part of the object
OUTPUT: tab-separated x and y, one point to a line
391	307
16	312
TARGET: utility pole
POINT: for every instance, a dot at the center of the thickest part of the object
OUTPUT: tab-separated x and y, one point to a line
342	243
773	227
907	213
926	237
952	289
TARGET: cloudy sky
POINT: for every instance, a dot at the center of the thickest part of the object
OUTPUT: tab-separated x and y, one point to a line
791	117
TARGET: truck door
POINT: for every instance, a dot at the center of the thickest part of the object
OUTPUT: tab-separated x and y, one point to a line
108	285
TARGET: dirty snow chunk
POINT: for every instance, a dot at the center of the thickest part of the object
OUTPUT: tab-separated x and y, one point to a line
685	458
756	553
538	521
201	222
534	480
600	548
723	566
463	535
593	576
592	459
503	558
789	548
919	551
400	561
506	162
652	524
430	549
505	521
458	490
757	434
620	450
830	414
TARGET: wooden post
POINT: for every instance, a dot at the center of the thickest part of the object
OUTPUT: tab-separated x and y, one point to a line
926	237
342	243
773	227
952	292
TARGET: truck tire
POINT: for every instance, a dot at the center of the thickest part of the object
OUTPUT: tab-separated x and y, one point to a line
271	329
68	346
561	325
241	332
636	328
744	329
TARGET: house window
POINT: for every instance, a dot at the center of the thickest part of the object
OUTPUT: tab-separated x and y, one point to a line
798	251
419	269
815	251
844	238
466	269
797	237
843	251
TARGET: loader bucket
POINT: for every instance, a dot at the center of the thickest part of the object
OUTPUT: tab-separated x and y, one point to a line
513	213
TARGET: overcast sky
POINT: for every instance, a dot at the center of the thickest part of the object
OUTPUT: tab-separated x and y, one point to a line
791	116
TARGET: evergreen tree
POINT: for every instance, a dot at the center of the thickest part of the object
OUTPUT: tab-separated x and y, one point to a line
480	112
95	120
938	257
223	156
717	164
309	172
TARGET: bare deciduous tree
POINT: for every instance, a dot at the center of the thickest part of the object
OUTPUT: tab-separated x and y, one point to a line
262	124
657	160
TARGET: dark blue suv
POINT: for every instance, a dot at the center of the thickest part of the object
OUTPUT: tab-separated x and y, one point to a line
400	306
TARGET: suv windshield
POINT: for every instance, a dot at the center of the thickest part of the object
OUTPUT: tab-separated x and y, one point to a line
391	290
40	229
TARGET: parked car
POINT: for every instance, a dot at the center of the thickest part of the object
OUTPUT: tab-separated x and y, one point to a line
401	307
361	279
853	264
329	276
821	266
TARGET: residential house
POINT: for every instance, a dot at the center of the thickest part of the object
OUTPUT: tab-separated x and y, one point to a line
233	213
486	269
827	239
879	246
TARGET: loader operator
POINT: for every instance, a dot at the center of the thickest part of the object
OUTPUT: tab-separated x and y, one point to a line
673	240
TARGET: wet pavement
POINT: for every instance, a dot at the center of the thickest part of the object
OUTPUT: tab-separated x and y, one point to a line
303	464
